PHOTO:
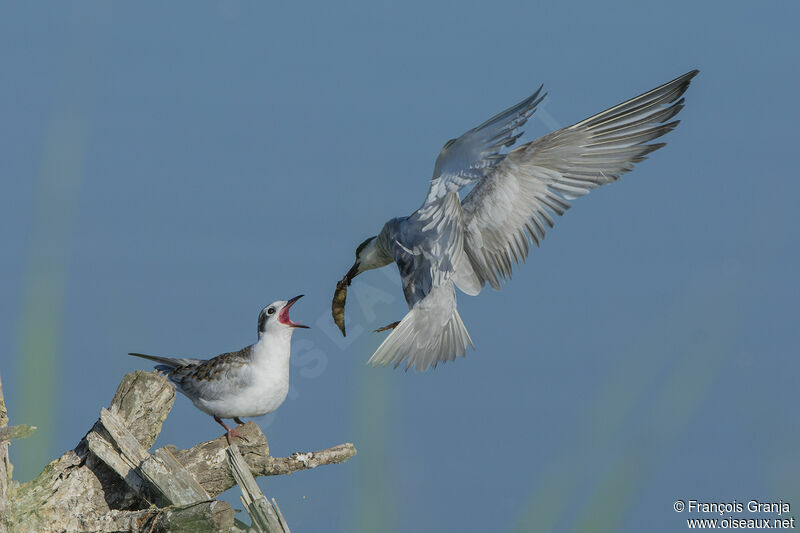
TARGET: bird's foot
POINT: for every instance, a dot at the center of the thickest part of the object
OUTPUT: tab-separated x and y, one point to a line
230	433
390	326
241	423
234	432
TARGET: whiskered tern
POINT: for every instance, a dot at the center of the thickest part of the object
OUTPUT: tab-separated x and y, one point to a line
449	243
251	382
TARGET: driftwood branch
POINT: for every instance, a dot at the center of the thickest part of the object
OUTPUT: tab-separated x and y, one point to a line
111	482
206	516
5	465
208	464
158	477
265	516
9	433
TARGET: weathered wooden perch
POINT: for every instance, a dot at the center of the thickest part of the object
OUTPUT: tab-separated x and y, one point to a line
266	516
10	433
111	482
5	465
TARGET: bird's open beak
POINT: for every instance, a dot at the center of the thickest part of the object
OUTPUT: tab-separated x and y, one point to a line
283	316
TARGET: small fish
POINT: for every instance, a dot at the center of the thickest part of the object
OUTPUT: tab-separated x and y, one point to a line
339	300
340	296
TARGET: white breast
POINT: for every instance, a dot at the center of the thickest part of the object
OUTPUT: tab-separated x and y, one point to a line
259	388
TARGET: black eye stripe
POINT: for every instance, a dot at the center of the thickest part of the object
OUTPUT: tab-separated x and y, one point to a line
362	246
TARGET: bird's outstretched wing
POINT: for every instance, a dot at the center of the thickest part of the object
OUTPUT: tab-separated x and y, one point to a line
467	159
535	181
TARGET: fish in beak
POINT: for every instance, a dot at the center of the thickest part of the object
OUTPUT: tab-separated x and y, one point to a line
340	297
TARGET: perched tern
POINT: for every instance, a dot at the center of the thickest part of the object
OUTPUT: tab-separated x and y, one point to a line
251	382
449	242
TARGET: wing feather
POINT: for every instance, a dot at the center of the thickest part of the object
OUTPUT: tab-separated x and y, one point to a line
537	180
467	159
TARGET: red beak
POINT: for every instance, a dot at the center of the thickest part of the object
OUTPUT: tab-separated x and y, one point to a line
283	316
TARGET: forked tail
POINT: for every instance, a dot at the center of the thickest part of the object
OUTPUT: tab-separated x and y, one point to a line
423	340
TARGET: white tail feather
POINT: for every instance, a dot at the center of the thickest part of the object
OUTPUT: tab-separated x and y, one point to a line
422	342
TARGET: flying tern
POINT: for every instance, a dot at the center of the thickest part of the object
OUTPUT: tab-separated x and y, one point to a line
449	242
251	382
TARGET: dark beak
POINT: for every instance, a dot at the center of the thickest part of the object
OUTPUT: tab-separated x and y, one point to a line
353	272
283	316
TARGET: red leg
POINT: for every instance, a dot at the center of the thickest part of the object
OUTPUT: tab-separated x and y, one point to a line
230	432
390	326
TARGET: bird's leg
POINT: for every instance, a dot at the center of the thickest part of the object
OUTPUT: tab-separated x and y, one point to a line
238	420
230	432
390	326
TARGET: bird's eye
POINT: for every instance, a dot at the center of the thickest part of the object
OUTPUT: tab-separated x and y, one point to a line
271	311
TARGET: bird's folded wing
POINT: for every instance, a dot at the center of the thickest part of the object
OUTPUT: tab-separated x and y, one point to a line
466	159
431	333
536	181
215	377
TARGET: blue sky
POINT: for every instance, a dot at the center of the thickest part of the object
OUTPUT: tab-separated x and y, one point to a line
169	169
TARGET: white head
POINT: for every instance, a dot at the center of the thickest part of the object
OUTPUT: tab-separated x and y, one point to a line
274	318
